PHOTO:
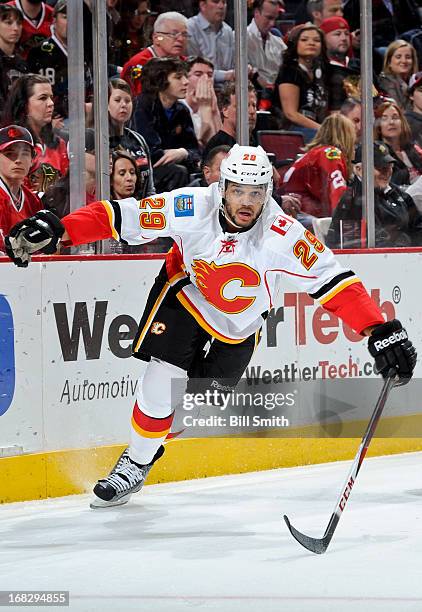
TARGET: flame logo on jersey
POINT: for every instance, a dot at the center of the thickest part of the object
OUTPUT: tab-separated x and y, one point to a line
212	279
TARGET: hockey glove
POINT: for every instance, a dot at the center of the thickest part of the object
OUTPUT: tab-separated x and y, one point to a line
392	350
41	232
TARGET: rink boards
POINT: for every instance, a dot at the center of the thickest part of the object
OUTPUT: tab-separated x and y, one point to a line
67	380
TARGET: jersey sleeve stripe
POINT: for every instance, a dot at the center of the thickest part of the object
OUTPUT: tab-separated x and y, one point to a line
117	219
325	289
111	218
337	290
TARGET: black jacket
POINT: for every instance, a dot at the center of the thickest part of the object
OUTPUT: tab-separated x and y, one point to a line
401	174
385	26
11	68
415	122
398	222
135	143
163	132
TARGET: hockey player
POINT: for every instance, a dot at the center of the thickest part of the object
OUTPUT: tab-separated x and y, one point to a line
232	245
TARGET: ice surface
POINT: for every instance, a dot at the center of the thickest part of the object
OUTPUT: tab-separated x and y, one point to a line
221	544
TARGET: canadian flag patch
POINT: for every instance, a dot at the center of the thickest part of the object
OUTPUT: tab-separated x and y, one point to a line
281	225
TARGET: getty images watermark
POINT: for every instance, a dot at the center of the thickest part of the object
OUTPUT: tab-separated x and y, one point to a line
218	407
318	408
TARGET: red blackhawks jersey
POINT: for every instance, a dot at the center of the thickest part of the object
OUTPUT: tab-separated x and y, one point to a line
319	177
34	33
229	279
133	68
13	210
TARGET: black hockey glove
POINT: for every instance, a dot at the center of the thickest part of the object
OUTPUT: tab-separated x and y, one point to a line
392	350
41	232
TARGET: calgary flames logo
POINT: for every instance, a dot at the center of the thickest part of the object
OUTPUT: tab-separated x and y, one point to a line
212	280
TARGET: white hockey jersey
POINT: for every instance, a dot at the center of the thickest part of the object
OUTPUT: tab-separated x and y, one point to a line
234	277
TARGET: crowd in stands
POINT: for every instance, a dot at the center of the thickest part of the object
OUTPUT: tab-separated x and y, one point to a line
172	107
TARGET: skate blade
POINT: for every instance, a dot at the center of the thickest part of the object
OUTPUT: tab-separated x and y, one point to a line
100	503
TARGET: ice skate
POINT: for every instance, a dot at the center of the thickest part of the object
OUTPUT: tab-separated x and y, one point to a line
125	478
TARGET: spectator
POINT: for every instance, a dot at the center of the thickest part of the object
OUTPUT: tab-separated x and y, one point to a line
201	99
397	220
400	61
338	43
166	124
122	138
211	167
134	31
390	18
227	106
113	22
50	59
12	64
337	39
414	115
319	177
301	88
392	128
211	37
168	40
30	104
352	109
125	181
265	50
318	10
17	202
36	25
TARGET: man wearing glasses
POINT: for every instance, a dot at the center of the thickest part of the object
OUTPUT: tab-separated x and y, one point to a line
168	40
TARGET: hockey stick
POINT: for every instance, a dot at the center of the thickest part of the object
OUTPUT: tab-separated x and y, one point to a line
320	545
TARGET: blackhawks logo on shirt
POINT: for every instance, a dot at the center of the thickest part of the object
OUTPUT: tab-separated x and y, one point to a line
332	153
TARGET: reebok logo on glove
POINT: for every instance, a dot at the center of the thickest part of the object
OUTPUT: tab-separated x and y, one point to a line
396	337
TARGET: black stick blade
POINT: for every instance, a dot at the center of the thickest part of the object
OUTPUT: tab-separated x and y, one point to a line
315	545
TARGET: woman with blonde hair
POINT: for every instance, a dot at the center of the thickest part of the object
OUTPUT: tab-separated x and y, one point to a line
392	128
320	176
400	62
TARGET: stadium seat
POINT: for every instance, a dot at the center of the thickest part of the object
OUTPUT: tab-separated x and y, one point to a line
321	226
284	144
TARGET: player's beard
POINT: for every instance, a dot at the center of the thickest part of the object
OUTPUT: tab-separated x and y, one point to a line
231	219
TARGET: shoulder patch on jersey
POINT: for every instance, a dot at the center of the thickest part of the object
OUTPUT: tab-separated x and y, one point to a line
332	153
136	71
281	225
183	205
